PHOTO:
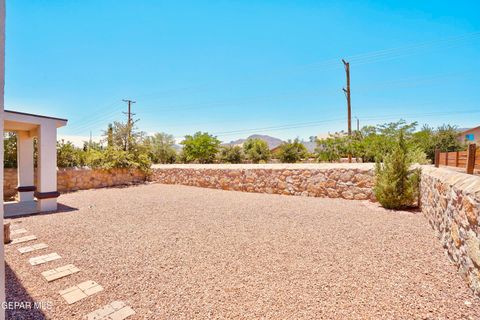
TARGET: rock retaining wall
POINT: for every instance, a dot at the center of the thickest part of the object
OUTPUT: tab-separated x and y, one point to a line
10	183
347	181
451	203
79	179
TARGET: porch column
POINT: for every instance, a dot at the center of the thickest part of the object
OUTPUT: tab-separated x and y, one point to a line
47	193
25	170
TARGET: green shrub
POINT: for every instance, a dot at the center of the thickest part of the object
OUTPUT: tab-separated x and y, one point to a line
444	138
201	147
161	148
10	150
331	149
231	154
292	151
113	157
68	155
256	150
397	185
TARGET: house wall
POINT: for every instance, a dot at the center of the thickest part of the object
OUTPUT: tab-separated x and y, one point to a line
79	179
474	131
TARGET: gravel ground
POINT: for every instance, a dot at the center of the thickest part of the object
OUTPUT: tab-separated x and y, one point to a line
178	252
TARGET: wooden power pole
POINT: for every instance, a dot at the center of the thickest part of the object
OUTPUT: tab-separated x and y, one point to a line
349	105
129	123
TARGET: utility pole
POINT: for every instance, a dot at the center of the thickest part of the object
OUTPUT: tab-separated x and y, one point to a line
129	123
90	141
358	124
347	95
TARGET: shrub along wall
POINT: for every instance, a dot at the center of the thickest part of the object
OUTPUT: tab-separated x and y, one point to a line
348	181
451	202
70	179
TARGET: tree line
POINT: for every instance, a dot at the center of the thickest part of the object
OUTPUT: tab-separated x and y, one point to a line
124	146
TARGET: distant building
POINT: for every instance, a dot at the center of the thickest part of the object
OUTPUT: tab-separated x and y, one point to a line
470	135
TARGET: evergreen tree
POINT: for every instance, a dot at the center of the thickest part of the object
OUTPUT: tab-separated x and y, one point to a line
396	185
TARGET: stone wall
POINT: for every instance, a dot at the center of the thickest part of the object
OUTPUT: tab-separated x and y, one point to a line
451	203
10	182
348	181
79	179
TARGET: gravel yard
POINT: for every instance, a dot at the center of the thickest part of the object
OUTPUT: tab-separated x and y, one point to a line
177	252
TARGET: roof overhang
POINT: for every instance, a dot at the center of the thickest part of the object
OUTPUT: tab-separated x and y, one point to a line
21	121
469	130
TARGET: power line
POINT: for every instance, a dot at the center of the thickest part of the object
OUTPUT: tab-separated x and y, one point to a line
400	83
88	124
359	59
372	56
316	123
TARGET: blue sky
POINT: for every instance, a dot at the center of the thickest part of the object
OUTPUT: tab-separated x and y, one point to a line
234	68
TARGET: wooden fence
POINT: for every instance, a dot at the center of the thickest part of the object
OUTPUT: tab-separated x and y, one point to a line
470	159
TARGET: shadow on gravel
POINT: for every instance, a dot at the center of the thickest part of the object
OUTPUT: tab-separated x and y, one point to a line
119	186
19	304
61	208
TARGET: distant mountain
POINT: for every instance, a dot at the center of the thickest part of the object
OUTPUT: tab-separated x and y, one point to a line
310	145
271	141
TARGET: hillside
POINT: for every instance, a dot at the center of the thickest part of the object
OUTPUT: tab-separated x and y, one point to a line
271	141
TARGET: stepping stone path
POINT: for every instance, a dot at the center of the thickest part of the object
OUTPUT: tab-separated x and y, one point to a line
23	239
43	259
18	231
54	274
117	310
33	247
80	291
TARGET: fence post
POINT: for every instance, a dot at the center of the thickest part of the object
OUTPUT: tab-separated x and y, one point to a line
446	158
472	149
457	159
437	158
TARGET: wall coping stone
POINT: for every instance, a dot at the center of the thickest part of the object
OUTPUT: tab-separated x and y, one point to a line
273	166
469	184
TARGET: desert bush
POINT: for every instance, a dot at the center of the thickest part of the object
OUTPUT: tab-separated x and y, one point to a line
397	185
68	155
10	150
292	151
201	147
256	150
123	135
113	157
331	149
161	148
231	154
445	138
